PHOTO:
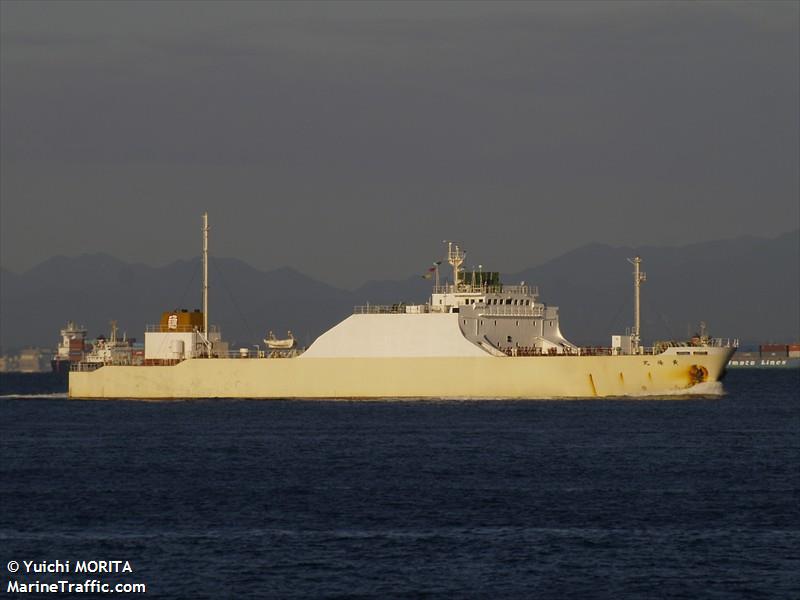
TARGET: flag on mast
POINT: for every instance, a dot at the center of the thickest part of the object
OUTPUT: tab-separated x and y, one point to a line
431	270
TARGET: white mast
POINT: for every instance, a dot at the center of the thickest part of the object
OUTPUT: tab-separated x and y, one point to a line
456	258
205	275
638	278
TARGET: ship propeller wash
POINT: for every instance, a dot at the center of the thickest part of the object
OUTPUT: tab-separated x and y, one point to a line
475	338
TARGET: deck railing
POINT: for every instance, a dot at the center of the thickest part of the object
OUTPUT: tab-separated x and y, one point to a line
508	310
158	328
465	288
385	309
608	351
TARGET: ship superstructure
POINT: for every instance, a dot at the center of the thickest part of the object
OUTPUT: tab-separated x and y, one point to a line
475	315
474	338
112	350
71	348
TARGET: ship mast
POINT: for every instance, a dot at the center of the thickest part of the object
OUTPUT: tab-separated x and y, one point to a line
638	278
205	275
456	258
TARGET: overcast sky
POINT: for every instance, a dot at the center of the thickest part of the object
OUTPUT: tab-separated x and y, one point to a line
349	139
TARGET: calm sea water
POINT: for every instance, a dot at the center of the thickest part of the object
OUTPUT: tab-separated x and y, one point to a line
523	499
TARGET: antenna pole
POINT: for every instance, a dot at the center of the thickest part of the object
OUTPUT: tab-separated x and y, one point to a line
638	278
205	275
455	256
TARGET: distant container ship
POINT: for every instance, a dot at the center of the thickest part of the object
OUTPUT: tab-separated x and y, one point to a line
71	349
74	349
768	356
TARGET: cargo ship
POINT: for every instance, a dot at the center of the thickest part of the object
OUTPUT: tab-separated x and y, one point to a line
768	356
74	349
71	349
113	351
475	338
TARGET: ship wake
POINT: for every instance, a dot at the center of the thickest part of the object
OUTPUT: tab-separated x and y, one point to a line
59	395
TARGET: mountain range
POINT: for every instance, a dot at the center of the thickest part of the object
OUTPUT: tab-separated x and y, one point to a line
745	287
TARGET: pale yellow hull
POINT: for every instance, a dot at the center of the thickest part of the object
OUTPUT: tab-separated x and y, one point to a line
429	377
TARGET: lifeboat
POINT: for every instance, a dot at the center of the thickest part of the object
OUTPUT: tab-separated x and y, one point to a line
274	343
